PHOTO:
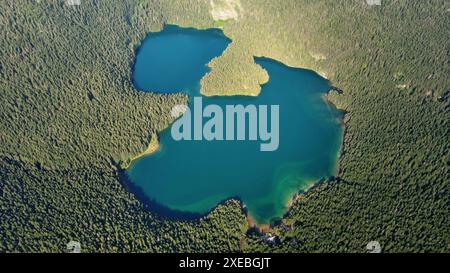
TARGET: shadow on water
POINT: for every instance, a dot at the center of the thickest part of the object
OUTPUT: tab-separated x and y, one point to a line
154	206
166	212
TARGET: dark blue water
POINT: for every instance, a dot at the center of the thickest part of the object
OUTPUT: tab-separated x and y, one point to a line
194	176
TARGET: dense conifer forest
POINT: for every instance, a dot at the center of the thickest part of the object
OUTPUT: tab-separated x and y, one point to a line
71	118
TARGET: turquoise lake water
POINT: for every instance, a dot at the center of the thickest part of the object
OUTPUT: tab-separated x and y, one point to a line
192	177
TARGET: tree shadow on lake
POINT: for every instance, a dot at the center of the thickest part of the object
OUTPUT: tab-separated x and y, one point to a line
163	211
154	206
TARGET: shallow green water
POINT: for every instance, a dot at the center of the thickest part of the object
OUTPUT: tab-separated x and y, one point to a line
195	176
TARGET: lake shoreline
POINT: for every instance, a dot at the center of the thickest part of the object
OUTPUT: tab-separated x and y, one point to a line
154	147
280	68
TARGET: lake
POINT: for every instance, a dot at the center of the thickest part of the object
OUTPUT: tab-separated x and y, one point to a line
192	177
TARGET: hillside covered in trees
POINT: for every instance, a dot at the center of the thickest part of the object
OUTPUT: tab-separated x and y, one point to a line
71	117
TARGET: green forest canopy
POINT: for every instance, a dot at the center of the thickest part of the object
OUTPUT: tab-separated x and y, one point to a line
71	115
